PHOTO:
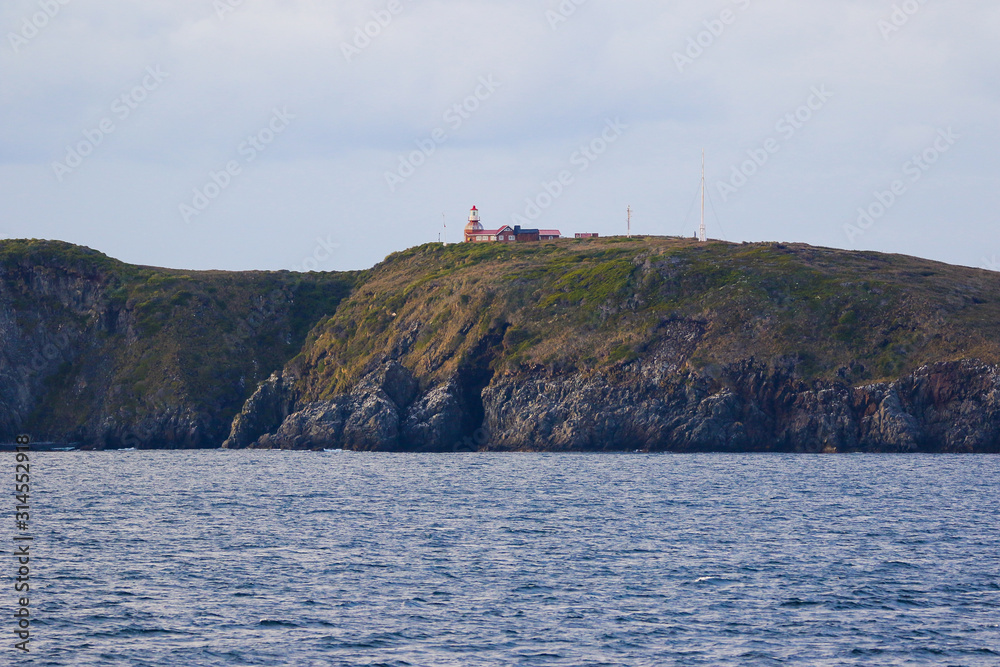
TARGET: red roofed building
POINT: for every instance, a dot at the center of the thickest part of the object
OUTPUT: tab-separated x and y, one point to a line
476	233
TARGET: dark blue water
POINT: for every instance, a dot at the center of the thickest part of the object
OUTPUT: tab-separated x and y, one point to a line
276	558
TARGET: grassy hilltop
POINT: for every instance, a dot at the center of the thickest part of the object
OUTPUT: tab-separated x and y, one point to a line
96	350
596	305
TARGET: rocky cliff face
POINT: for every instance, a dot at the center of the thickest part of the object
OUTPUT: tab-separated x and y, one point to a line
945	407
49	318
103	354
385	412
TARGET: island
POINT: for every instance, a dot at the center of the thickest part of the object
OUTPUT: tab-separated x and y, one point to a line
651	344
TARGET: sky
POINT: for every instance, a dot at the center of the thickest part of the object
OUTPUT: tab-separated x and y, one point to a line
324	135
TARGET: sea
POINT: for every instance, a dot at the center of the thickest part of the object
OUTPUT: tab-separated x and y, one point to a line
342	558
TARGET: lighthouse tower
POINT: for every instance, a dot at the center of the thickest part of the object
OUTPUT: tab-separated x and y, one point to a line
474	225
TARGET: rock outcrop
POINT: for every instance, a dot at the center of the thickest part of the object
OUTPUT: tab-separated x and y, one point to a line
945	407
263	412
382	413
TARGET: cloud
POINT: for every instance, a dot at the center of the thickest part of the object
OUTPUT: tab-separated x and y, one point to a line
356	115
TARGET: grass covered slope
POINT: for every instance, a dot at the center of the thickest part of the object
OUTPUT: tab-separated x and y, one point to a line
541	341
101	351
593	306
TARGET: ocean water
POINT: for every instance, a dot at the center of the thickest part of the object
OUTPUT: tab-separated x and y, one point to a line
281	558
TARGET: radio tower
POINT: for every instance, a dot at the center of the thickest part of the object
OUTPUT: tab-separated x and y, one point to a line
702	234
629	221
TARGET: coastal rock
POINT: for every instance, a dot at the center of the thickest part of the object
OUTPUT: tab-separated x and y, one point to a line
317	426
392	379
948	407
887	426
263	412
366	419
434	421
819	421
372	423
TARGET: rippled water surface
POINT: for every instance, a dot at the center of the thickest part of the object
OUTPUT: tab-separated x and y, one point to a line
278	558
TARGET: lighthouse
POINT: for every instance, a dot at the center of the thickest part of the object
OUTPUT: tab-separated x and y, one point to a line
474	227
475	233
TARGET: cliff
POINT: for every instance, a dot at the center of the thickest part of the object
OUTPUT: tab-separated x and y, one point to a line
104	354
645	344
651	344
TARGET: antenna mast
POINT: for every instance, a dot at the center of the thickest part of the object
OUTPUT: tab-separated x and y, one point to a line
629	221
444	222
702	235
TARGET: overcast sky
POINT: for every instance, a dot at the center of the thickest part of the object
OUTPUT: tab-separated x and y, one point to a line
267	134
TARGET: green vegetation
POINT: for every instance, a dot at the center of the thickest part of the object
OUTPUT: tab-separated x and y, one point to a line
22	252
599	305
147	337
198	341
